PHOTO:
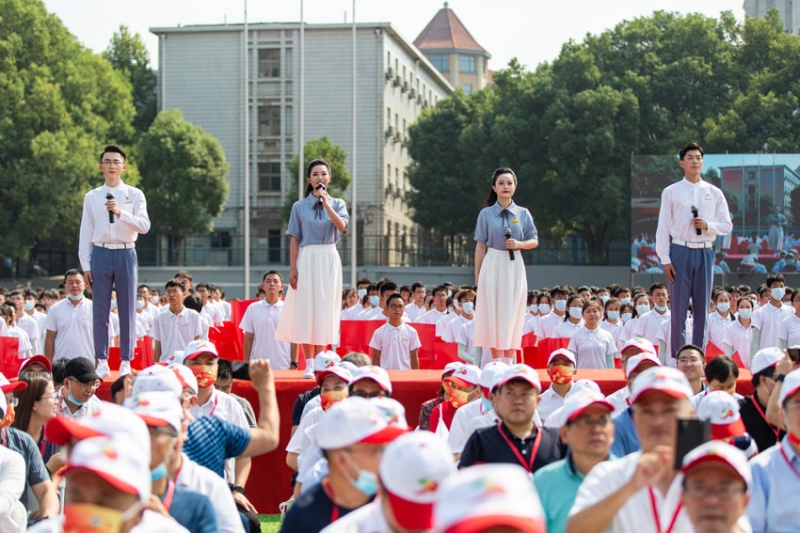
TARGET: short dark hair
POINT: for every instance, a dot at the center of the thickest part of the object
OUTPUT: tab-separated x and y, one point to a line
204	285
114	149
174	282
417	285
688	147
117	386
775	278
363	281
766	373
437	289
583	288
686	347
72	272
655	286
224	369
744	289
559	291
194	303
273	272
184	274
395	296
721	368
59	371
405	288
388	286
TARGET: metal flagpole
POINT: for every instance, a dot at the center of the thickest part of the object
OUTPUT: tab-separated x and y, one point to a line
246	187
301	141
354	197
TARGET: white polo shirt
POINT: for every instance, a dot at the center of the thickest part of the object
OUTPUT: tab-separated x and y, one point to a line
366	313
174	332
648	324
567	329
548	325
261	319
395	345
481	358
366	519
74	329
768	320
213	314
89	408
529	326
200	479
740	339
453	327
30	326
789	331
620	399
434	317
415	312
716	325
627	332
550	400
458	436
349	313
296	442
39	317
592	347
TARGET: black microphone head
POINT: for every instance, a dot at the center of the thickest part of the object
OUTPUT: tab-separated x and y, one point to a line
320	187
109	196
507	232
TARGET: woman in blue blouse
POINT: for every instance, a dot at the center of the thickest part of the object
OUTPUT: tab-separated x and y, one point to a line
502	226
310	314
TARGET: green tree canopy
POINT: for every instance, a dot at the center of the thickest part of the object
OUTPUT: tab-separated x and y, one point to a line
59	105
321	148
183	176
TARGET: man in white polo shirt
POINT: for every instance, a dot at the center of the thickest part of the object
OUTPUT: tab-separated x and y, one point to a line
69	323
177	326
561	369
259	324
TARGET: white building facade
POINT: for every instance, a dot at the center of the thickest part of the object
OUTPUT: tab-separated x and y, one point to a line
788	9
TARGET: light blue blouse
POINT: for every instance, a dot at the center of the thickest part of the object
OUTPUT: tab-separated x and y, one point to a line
493	220
311	224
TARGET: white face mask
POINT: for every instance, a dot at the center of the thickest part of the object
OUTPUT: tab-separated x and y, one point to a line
778	293
723	307
544	308
362	293
745	313
561	305
627	316
468	308
642	309
139	304
154	300
575	312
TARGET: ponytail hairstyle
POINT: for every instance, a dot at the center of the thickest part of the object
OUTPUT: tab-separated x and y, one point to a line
492	198
311	165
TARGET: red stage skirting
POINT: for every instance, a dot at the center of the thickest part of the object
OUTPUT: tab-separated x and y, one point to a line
270	477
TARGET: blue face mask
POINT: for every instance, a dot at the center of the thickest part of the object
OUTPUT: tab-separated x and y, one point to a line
604	299
29	305
613	315
374	300
113	304
642	309
544	308
660	308
468	308
366	482
561	305
487	405
158	472
627	317
72	399
625	301
575	312
362	293
75	297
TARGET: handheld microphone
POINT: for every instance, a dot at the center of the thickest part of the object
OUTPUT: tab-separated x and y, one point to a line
320	187
698	231
110	196
507	233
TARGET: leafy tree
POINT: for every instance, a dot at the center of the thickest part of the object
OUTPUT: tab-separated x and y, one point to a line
183	176
321	148
59	105
128	55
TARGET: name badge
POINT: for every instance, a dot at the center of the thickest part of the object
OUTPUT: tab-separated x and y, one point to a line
514	221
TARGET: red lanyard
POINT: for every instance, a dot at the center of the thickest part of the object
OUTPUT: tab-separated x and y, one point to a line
775	430
169	495
788	462
536	442
214	408
326	484
656	516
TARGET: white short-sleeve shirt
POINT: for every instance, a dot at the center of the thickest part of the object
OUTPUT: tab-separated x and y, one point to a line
434	317
768	319
458	436
591	346
395	345
740	339
716	325
415	312
261	319
174	332
74	329
24	342
453	328
549	324
567	329
648	324
481	358
550	400
200	479
789	331
30	326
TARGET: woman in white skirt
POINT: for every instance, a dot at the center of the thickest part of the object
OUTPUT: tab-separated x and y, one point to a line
503	228
311	312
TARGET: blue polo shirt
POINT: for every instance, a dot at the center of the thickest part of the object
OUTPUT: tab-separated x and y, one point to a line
557	485
625	438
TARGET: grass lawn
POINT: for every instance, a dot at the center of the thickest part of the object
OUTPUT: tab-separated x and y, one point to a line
270	523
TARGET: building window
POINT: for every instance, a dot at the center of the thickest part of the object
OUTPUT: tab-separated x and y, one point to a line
269	177
440	63
269	63
221	239
274	245
467	64
467	88
269	121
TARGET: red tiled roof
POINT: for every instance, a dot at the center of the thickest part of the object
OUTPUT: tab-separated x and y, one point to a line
445	32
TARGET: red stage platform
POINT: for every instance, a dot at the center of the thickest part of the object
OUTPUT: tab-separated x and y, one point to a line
270	477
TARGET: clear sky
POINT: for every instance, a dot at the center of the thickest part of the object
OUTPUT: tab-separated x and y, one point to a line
506	28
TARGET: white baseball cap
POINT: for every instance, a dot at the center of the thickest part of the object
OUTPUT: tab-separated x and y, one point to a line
523	372
354	420
108	420
722	410
176	358
634	361
157	409
376	374
185	376
122	462
411	470
664	379
324	362
577	402
157	378
716	451
474	499
766	358
791	384
561	352
336	370
641	344
449	368
466	376
491	372
392	410
199	347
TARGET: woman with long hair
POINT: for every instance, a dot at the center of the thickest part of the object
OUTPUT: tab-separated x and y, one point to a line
502	228
36	405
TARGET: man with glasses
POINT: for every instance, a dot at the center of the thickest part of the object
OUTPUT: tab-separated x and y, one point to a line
438	312
395	345
371	382
589	432
517	439
78	391
113	216
692	362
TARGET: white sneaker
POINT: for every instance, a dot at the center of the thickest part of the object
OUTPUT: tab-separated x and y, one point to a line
102	368
124	368
309	373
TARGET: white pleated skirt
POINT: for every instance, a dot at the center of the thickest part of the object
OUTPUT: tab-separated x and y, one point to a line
311	314
500	305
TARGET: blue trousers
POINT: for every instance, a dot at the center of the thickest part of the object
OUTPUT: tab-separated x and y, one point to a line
694	278
114	269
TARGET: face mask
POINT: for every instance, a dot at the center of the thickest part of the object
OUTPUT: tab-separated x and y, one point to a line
362	293
613	315
74	400
723	307
29	305
154	300
449	293
487	405
113	304
561	374
327	399
75	297
140	304
604	299
544	309
642	309
158	472
561	305
625	301
468	308
660	308
778	293
91	518
8	419
366	482
745	313
206	375
626	317
374	300
575	312
457	397
456	304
